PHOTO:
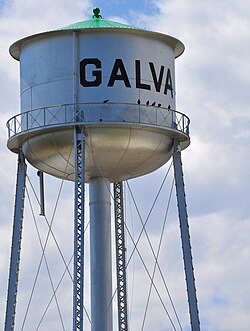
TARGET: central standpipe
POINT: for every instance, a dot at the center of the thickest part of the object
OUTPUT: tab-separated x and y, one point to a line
100	254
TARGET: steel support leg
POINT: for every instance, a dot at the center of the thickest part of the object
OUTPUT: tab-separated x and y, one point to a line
120	257
185	237
16	244
100	255
79	153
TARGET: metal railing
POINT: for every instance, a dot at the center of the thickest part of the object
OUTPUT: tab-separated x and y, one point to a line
93	113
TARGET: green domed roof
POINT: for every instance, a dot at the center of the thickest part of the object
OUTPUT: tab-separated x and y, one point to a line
97	22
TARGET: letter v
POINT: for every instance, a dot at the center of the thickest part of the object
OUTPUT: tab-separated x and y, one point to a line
157	81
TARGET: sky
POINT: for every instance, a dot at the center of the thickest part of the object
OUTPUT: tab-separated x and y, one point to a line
212	83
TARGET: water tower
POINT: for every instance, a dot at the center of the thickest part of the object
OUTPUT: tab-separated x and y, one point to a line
97	107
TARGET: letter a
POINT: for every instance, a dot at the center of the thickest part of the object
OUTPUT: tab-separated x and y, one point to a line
169	85
122	76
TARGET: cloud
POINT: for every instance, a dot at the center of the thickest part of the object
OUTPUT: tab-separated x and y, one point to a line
221	251
213	89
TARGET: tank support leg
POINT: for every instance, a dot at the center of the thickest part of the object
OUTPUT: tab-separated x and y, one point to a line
100	254
16	243
79	164
185	238
120	257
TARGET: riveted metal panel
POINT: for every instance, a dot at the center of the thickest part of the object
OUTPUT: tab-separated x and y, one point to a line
46	72
47	69
136	53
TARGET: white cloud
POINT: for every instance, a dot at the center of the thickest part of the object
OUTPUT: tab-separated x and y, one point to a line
213	89
221	250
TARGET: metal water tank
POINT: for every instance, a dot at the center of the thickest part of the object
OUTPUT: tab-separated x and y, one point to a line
116	81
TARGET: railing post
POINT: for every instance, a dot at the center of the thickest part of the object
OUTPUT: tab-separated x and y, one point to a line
14	124
44	117
27	121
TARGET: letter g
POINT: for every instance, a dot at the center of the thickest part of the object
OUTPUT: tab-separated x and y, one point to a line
95	73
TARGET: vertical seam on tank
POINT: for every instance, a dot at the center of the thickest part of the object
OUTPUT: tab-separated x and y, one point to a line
75	67
129	139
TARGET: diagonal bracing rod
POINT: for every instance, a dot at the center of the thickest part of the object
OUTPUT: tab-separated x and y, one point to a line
16	244
120	257
185	238
79	164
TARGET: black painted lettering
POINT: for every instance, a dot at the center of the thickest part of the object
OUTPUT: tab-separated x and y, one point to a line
157	81
91	75
97	74
115	75
169	85
139	84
